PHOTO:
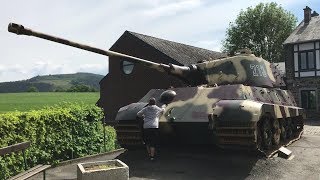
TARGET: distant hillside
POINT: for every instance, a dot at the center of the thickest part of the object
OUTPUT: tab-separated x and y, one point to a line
50	83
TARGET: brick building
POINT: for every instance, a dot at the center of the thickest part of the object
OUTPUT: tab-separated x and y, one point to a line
127	82
302	60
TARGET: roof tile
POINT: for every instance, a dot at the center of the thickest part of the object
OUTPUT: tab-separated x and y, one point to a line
184	54
305	32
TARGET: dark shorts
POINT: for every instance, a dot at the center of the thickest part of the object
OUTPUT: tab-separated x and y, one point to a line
151	136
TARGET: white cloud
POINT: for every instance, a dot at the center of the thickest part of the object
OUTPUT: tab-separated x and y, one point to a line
93	68
173	8
47	67
16	68
19	72
213	45
1	69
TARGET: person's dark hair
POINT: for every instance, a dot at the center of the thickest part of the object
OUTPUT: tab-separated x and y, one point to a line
152	101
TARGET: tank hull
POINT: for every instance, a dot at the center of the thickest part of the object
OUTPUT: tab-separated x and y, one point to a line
230	116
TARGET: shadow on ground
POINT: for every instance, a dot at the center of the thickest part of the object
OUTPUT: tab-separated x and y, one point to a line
190	163
312	122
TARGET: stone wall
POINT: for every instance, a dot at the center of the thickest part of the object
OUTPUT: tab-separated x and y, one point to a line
295	85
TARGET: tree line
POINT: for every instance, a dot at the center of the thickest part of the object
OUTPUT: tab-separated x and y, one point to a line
73	88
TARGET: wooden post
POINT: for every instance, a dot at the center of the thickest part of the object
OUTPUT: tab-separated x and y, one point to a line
104	135
24	160
44	175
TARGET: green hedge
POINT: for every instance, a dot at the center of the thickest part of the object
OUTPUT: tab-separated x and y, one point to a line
56	133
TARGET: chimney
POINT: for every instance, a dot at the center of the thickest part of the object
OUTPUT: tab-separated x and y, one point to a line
314	14
307	15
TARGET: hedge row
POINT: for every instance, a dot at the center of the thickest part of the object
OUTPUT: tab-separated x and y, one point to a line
56	133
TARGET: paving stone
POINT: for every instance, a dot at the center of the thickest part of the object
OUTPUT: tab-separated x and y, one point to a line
311	130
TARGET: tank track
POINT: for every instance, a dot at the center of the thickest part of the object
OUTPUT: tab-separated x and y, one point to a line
272	152
252	137
129	133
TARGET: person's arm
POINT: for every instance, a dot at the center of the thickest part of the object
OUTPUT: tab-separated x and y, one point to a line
140	113
161	110
163	107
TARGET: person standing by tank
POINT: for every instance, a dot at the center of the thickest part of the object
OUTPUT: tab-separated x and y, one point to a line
150	115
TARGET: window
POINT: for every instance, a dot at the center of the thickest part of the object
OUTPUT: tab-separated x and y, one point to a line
310	60
127	67
307	60
308	99
303	61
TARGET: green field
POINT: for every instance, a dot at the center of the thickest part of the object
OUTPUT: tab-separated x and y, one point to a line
31	101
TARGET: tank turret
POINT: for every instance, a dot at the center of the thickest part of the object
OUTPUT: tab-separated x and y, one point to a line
242	69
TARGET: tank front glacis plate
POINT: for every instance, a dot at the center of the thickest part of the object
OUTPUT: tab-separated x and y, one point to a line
194	104
130	111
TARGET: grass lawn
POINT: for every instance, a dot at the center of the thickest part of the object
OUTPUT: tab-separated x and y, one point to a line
31	101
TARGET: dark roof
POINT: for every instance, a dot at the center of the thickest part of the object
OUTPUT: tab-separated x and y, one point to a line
305	32
182	53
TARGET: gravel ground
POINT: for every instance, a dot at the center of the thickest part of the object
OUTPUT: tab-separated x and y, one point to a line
213	163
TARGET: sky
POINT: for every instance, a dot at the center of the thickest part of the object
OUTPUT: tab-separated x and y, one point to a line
200	23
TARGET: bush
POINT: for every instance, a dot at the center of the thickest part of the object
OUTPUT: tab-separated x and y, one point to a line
56	133
33	89
81	88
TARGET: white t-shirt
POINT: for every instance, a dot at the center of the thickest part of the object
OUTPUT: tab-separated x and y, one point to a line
150	116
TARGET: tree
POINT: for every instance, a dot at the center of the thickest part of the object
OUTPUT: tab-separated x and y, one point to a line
59	89
80	88
32	89
262	29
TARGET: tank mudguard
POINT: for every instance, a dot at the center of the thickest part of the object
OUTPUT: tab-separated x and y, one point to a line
280	111
130	111
237	111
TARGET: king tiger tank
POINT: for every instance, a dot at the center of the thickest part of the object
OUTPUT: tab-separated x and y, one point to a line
233	102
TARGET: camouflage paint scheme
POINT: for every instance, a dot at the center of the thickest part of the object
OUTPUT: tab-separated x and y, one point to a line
234	101
239	92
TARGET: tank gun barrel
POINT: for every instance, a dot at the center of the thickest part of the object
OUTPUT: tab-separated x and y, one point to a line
21	30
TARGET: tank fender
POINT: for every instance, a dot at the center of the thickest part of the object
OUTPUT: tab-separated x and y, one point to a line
237	110
279	112
130	111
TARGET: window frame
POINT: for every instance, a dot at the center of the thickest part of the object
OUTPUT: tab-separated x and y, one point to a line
123	65
296	49
307	60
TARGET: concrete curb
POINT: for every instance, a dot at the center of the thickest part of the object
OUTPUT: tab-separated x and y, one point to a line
122	150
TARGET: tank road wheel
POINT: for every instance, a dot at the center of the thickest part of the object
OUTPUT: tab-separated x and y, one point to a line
283	134
266	133
289	128
276	132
